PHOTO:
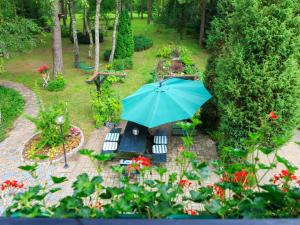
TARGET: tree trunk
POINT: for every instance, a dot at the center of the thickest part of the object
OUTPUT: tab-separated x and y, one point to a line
114	35
149	11
158	7
97	42
63	11
202	23
142	13
58	65
74	34
86	22
84	29
131	16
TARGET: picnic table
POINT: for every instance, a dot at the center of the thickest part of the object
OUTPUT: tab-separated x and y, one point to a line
134	143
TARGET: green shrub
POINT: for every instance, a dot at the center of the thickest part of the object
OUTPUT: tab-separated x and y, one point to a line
122	64
58	84
258	73
106	105
106	54
125	44
18	35
11	106
85	39
65	31
142	42
45	123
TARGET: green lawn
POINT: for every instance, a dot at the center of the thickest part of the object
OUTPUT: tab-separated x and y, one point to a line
22	69
11	106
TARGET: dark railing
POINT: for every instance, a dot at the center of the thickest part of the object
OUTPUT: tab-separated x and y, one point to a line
11	221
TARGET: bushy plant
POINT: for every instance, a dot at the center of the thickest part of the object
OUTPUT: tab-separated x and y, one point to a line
257	68
18	35
122	64
142	42
58	84
106	105
46	125
85	39
65	31
11	106
106	54
125	44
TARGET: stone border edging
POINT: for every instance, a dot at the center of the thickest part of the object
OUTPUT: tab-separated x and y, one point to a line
70	153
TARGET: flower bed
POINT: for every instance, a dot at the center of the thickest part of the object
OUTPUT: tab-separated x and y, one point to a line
73	142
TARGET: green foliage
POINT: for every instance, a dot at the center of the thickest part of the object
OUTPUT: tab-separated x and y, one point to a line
106	105
85	39
240	193
122	64
106	54
125	44
11	106
46	125
65	31
18	35
58	84
142	42
256	69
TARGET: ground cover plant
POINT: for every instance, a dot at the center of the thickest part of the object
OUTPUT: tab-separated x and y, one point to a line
11	106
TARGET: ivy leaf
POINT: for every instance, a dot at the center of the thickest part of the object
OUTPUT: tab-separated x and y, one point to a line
58	180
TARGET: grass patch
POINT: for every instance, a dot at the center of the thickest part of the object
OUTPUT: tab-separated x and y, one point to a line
11	106
22	69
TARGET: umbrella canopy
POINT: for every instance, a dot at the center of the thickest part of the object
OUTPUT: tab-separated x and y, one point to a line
164	102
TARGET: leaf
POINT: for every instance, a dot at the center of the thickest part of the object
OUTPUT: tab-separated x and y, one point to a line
265	167
58	180
53	190
103	157
29	168
86	152
286	163
214	206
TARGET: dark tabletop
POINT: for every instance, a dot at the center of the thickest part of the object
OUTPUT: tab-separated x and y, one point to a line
132	143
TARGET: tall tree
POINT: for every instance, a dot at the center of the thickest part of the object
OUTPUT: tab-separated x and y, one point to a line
202	22
114	35
88	29
74	33
58	65
141	9
131	5
63	11
97	31
149	11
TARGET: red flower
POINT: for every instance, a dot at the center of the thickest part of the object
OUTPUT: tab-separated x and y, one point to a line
185	183
293	177
284	173
43	68
240	177
219	191
142	161
12	184
191	212
298	182
273	115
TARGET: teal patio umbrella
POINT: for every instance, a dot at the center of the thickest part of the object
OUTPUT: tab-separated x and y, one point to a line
164	102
